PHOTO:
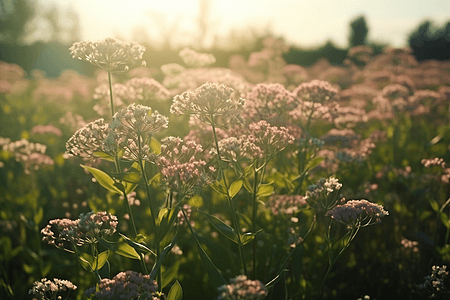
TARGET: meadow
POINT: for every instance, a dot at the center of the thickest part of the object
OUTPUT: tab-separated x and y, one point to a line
263	180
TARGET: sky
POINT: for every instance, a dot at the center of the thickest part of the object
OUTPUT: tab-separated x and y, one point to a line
306	23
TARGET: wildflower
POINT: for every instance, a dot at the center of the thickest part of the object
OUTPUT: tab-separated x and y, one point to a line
242	288
181	168
47	289
146	89
285	204
434	283
89	228
235	150
196	60
32	155
318	195
270	139
410	246
358	213
125	285
88	139
109	54
269	102
43	129
209	101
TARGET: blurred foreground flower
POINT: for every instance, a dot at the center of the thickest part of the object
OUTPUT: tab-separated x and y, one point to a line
52	289
109	54
125	285
242	288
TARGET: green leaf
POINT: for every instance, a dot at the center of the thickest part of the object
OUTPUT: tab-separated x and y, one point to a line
136	246
166	221
249	236
444	219
176	292
219	187
247	185
104	179
221	226
170	273
235	188
314	162
155	179
89	262
434	204
214	275
265	190
38	216
155	146
161	257
105	270
104	156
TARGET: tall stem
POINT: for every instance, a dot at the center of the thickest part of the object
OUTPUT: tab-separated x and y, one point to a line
254	209
111	93
230	202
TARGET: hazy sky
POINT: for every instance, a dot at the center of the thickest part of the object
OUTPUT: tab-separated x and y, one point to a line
301	22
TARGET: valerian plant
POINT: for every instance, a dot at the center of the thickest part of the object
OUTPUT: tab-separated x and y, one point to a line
253	154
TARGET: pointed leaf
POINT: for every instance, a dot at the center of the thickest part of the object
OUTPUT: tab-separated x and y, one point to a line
176	292
104	156
219	187
249	236
221	226
214	275
104	179
155	146
161	257
137	246
265	190
247	185
126	250
167	221
444	219
434	204
314	162
235	188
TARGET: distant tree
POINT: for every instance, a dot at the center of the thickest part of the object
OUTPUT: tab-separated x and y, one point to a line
430	42
358	32
15	20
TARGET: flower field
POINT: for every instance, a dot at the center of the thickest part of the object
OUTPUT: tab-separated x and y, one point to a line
263	180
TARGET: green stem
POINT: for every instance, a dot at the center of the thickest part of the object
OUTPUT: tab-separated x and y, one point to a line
254	208
333	260
230	202
111	93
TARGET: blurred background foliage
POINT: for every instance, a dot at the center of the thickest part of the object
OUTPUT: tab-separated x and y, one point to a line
37	36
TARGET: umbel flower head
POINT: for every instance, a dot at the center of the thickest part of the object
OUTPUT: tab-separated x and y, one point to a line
51	289
209	101
322	195
125	285
89	228
181	168
109	54
242	288
132	127
88	139
358	213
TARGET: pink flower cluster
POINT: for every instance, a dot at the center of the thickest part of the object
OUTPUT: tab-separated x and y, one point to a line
285	204
88	139
181	168
89	228
195	59
31	155
109	54
125	285
358	213
209	101
241	288
51	289
43	129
